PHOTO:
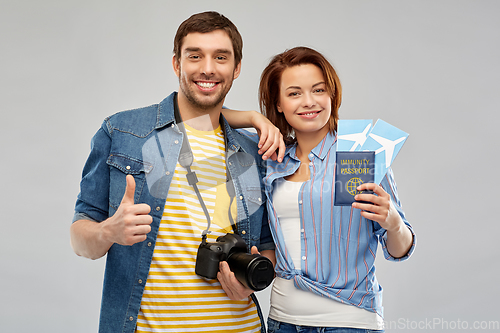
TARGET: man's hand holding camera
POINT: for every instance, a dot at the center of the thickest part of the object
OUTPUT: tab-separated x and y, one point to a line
233	288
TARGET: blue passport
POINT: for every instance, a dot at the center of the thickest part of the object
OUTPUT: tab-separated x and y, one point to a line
352	168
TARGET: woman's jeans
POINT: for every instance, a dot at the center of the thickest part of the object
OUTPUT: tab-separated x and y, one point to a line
274	326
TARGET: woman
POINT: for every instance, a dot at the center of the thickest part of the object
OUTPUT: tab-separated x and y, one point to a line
325	274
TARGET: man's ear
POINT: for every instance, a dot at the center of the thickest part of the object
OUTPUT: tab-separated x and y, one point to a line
176	66
237	71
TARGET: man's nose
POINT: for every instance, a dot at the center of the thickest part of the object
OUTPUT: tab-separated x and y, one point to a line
208	66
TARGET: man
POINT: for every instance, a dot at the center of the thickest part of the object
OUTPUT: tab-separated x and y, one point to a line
136	205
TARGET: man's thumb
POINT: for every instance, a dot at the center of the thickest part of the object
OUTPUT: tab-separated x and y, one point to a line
254	250
128	197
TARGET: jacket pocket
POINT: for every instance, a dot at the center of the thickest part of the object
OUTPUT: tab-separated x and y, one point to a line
129	165
255	195
120	167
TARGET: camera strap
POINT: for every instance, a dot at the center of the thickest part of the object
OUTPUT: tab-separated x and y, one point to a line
186	160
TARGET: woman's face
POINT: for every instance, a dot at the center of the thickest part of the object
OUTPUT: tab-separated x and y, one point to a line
304	100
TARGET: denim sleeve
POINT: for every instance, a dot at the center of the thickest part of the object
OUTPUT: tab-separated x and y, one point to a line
266	238
389	185
93	199
253	136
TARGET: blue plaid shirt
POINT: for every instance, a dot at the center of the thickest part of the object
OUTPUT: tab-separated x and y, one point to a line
338	245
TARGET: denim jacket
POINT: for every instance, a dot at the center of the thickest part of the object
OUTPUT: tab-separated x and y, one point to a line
146	143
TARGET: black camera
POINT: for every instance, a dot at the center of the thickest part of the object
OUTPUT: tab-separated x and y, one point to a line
252	270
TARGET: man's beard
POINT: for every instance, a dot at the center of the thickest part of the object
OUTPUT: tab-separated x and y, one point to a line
192	96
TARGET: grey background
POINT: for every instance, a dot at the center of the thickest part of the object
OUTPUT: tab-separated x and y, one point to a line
428	67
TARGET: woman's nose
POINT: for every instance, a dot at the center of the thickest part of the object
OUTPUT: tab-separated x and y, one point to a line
309	100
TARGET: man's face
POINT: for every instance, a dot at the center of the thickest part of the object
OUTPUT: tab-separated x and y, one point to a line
206	68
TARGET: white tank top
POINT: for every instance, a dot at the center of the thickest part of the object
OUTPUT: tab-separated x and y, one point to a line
299	307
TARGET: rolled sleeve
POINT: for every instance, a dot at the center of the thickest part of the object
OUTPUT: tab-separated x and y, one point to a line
93	199
389	185
82	216
388	256
267	246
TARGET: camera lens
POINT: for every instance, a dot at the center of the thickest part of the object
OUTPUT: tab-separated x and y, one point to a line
252	270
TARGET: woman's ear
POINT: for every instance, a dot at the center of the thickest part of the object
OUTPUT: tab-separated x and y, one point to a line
279	108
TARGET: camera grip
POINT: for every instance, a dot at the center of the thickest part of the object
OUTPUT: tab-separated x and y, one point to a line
207	262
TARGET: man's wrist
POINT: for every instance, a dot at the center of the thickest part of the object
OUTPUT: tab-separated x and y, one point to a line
254	118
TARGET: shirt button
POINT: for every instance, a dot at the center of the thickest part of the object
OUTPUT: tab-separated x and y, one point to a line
167	173
149	243
127	167
302	230
311	163
241	197
131	318
176	141
300	202
311	155
158	208
259	199
243	232
140	281
304	258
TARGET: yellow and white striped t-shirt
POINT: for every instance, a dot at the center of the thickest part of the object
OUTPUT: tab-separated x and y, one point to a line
175	299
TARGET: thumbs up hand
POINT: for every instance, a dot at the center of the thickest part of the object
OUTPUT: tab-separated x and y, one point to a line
131	223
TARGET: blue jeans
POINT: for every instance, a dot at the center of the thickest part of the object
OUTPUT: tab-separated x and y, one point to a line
274	326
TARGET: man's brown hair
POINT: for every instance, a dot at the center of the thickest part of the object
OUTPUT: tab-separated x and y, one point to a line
207	22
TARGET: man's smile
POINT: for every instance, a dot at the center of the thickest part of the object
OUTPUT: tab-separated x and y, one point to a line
205	85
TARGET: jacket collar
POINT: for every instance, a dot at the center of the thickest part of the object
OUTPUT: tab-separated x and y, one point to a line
166	117
165	114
